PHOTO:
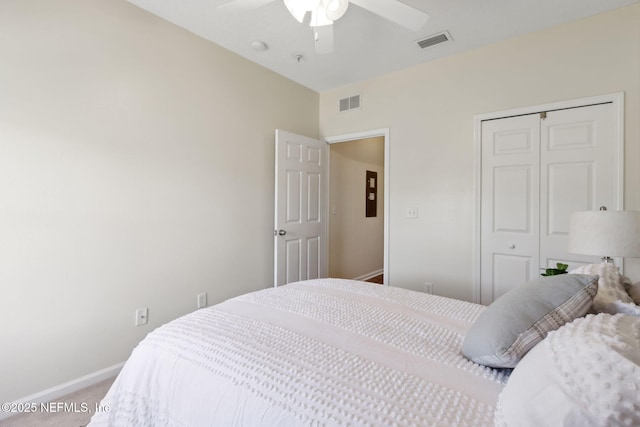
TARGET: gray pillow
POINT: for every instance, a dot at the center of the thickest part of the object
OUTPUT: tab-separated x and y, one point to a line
518	320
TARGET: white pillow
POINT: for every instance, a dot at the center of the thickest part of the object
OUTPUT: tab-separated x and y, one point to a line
587	373
612	296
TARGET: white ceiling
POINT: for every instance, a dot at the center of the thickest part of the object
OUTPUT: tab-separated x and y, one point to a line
365	44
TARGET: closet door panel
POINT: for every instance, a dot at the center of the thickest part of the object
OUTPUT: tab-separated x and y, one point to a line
577	164
510	271
512	187
509	211
570	189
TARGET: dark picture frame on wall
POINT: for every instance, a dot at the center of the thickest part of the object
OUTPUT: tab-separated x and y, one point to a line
371	202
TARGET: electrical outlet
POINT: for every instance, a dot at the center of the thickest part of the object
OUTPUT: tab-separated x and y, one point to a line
428	287
142	316
202	300
412	212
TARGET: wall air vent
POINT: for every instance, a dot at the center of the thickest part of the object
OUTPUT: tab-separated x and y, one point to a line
434	40
349	103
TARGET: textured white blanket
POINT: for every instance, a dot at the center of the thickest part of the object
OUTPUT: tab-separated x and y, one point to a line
321	352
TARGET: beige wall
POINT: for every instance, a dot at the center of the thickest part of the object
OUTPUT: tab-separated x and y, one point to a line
429	110
136	166
136	170
356	243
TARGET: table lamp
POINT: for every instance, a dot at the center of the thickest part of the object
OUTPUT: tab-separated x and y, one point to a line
605	233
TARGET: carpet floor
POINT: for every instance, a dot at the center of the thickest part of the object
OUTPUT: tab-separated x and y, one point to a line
77	403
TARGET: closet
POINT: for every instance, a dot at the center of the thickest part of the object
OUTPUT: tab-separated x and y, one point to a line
536	169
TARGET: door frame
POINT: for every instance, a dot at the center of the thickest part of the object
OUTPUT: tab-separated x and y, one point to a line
383	132
616	99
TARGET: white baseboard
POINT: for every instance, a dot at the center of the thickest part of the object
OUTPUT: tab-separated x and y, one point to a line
58	391
370	275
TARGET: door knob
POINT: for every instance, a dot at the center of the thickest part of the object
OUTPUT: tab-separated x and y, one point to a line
512	246
282	232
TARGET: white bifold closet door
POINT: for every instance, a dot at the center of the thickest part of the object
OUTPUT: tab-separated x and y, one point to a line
537	169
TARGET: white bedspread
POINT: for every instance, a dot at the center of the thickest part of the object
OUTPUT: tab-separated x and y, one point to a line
321	352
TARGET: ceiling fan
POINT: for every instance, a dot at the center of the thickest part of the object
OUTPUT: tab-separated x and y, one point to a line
325	12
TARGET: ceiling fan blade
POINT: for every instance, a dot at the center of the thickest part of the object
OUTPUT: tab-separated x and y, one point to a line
324	39
242	5
395	11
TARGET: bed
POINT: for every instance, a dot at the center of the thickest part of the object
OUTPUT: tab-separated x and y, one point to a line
320	352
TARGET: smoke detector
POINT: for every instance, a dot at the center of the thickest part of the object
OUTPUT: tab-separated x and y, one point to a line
259	46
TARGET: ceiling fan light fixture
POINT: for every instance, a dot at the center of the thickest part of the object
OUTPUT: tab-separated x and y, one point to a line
335	9
299	8
319	17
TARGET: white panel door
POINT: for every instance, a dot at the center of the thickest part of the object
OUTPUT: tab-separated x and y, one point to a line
537	169
509	209
577	164
300	242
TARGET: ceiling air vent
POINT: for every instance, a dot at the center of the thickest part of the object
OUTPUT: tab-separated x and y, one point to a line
350	103
434	40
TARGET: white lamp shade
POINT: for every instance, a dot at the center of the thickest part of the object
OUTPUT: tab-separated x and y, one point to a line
605	233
